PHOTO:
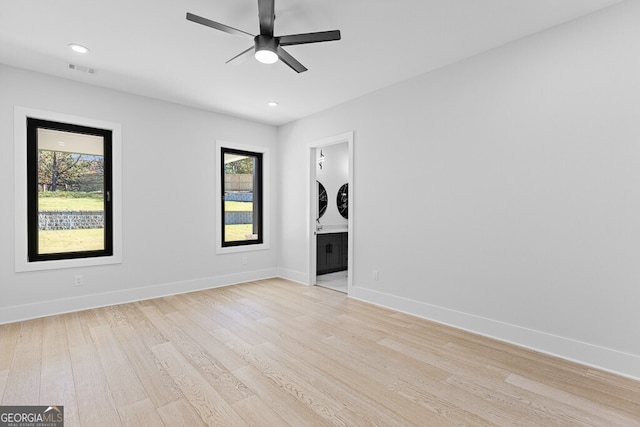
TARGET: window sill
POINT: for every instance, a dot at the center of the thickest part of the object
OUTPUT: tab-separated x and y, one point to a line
22	266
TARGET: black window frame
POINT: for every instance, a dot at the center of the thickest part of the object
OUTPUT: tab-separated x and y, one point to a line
258	186
33	124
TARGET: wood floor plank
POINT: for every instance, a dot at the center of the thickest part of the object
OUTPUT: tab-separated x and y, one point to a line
283	403
158	385
593	410
255	412
114	316
4	374
262	294
297	332
96	406
226	317
615	388
23	383
506	402
124	385
143	328
285	378
206	401
356	409
554	372
56	384
356	376
180	413
77	327
217	375
387	363
389	410
142	413
438	403
9	336
232	302
441	359
190	326
294	382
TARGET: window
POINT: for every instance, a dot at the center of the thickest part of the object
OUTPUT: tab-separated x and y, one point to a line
69	210
87	201
241	204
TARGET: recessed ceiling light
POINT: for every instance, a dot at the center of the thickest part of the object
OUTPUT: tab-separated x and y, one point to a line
78	48
272	104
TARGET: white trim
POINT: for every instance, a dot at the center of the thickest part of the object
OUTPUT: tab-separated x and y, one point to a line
610	360
311	215
266	185
20	192
293	275
48	308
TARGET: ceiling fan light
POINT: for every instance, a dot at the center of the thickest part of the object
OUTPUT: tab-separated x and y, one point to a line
266	48
266	56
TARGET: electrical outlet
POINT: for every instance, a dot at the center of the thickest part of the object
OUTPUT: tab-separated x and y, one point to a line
375	275
245	261
78	280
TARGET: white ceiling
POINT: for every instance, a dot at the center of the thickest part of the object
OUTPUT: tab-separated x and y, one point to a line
147	47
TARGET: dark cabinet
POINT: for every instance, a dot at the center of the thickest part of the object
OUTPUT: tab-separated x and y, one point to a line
331	252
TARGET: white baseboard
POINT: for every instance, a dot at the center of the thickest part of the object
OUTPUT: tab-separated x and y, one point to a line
60	306
617	362
294	276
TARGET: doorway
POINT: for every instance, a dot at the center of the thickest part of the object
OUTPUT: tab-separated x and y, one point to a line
330	213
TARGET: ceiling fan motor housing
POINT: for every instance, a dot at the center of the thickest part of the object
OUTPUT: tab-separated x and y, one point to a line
265	42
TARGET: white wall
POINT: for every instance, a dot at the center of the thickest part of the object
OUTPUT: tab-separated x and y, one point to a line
168	201
524	164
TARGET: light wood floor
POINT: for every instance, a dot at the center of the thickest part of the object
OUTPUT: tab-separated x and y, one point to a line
275	353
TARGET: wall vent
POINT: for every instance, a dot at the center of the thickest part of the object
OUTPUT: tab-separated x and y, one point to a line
82	68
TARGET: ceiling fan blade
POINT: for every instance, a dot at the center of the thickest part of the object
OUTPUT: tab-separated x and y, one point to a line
218	26
240	58
266	13
321	36
290	61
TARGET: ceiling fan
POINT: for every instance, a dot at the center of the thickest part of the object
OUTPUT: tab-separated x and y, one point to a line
267	47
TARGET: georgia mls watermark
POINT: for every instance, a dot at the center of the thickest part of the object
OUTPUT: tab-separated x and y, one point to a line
31	416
